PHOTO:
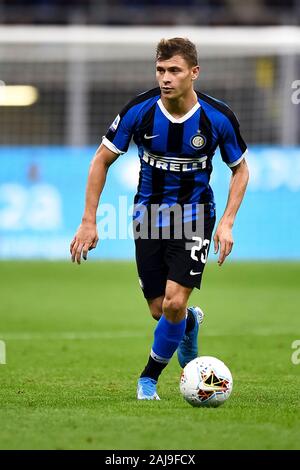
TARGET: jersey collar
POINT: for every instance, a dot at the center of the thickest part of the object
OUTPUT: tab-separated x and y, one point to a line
183	118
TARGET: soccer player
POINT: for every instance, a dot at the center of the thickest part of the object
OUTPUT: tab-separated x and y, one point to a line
177	131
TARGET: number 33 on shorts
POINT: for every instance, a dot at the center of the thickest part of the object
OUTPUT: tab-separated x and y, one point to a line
198	247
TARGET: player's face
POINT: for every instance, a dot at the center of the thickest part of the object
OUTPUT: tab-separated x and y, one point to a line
175	77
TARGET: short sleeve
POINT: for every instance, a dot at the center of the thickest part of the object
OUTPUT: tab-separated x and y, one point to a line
119	134
232	145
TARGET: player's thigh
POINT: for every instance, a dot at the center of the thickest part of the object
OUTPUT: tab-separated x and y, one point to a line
151	267
186	257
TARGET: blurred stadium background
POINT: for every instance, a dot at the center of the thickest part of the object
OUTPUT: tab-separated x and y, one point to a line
61	87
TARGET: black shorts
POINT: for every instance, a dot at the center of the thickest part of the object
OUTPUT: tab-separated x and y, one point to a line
181	260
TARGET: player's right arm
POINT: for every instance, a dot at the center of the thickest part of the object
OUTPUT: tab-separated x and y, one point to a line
86	237
115	143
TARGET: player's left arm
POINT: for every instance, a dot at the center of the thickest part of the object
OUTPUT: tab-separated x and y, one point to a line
233	150
223	238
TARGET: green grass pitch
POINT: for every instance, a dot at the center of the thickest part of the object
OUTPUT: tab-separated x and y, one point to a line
77	338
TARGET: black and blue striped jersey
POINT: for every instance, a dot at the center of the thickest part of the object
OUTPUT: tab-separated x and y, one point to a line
176	154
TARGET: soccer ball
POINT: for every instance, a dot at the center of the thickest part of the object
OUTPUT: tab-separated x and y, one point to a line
206	381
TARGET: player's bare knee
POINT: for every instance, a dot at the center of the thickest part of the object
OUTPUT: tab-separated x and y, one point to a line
174	308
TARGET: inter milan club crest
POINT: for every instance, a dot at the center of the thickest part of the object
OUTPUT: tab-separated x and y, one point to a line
198	141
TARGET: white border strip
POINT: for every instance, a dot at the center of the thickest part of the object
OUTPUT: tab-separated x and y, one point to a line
276	38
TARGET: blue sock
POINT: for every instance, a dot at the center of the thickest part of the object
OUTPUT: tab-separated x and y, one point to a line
167	337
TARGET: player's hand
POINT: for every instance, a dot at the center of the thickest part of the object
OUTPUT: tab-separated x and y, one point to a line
223	240
86	239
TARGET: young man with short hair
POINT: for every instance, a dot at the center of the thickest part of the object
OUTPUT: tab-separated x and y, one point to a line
177	131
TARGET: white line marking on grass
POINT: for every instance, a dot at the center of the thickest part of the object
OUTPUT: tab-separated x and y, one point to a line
2	352
258	332
98	335
70	335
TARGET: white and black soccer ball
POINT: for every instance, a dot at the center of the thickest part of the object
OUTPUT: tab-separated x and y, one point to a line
206	381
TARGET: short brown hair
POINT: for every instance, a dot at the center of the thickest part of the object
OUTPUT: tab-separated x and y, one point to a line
167	48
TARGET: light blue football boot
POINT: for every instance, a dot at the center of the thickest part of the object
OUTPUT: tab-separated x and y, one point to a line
146	389
188	346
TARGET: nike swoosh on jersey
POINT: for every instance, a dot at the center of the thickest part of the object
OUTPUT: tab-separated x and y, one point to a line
192	273
150	136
